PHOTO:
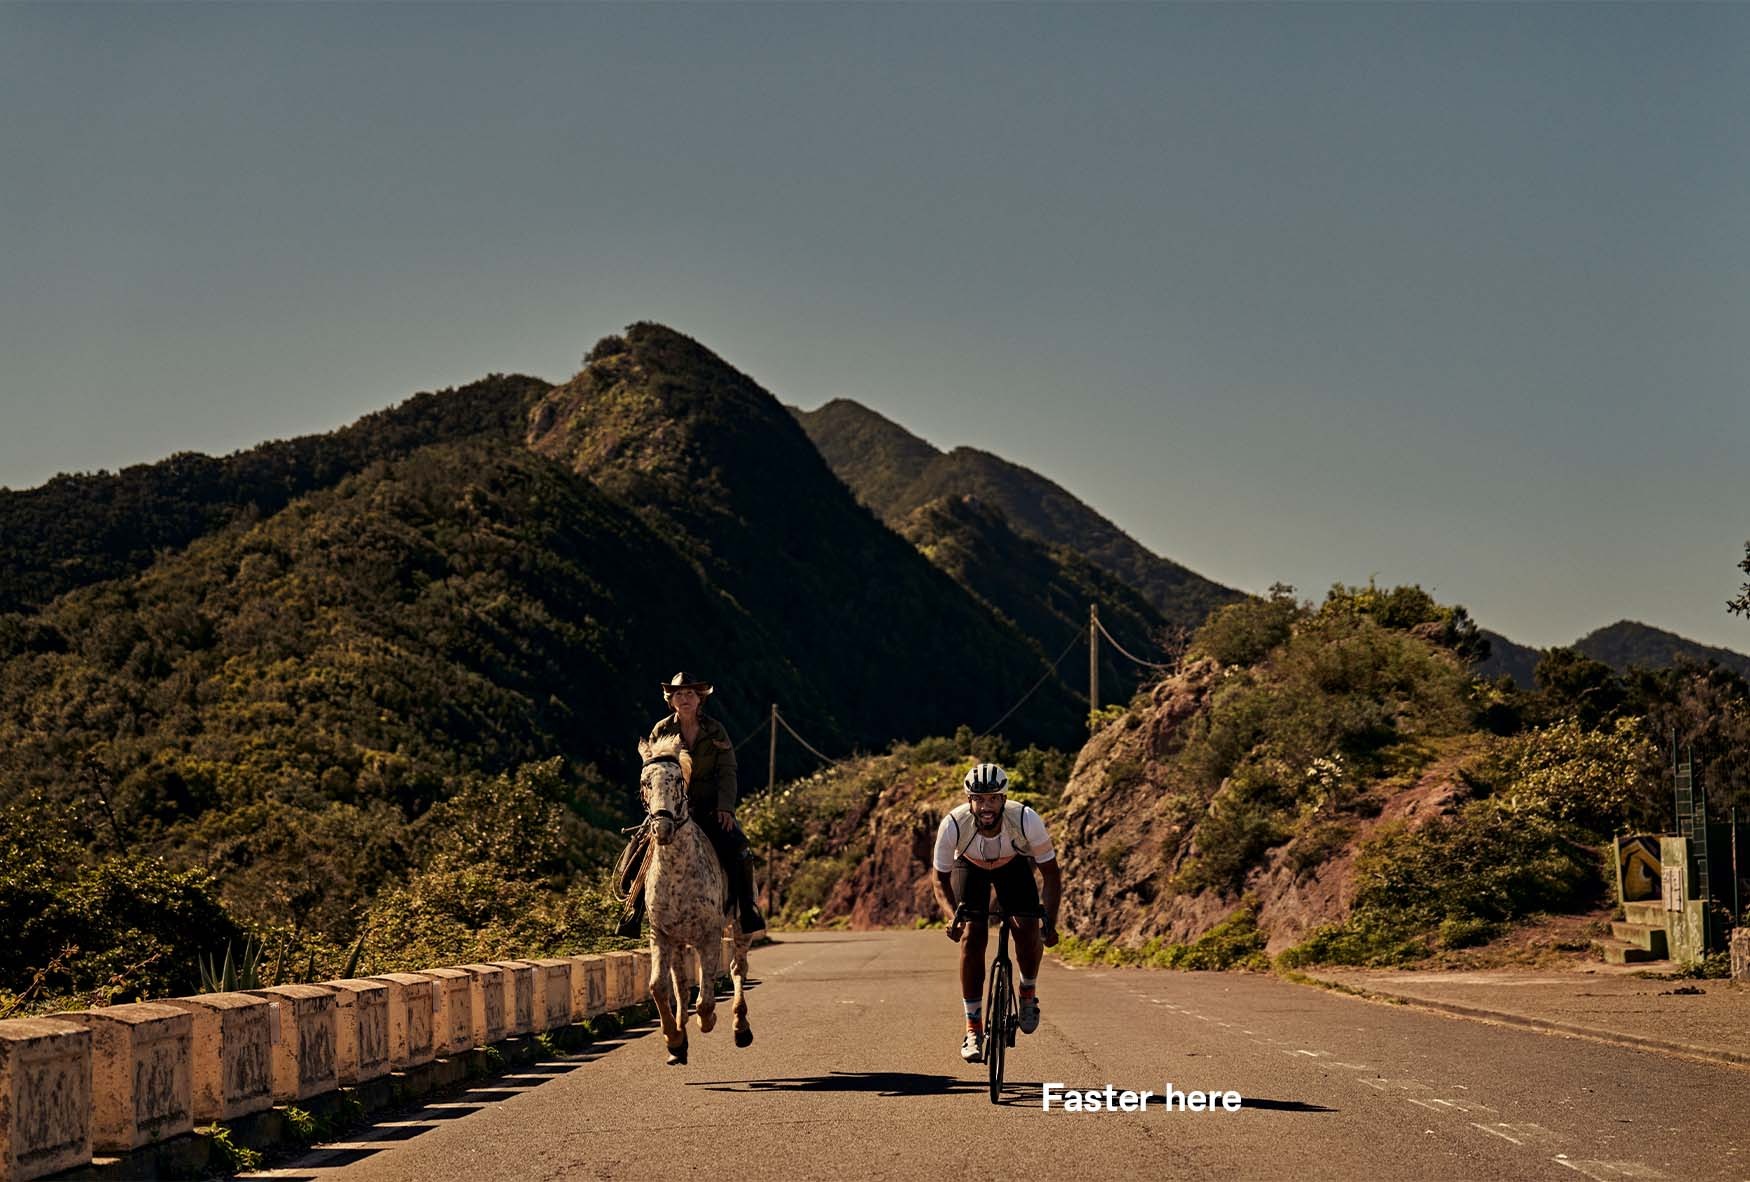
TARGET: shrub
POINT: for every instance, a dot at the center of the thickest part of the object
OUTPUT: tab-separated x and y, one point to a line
1245	633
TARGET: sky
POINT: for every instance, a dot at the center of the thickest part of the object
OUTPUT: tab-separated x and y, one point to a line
1456	295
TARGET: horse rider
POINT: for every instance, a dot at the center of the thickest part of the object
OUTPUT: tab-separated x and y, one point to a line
711	794
989	842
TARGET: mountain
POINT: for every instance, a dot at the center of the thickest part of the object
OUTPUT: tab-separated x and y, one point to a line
894	472
335	640
1620	645
1627	643
1518	661
1044	590
77	530
854	632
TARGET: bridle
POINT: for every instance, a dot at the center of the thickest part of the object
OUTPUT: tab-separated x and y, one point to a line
652	815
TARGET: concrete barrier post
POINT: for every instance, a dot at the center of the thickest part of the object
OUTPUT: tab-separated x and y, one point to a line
552	993
519	998
361	1028
232	1060
142	1088
410	1019
579	988
45	1096
303	1057
595	985
622	979
487	990
641	960
453	1024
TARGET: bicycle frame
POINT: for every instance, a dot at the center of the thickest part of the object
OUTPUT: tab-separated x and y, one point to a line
1001	1012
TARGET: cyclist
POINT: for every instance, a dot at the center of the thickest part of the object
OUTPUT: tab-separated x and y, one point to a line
987	842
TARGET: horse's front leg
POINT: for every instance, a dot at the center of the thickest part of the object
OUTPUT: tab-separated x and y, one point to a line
710	955
674	1033
738	976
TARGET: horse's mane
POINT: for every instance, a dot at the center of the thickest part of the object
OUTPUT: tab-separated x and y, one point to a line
668	747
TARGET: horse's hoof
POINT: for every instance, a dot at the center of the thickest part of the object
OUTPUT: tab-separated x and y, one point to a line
744	1037
677	1056
707	1021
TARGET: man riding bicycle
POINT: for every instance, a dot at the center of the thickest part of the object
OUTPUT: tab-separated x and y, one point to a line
987	843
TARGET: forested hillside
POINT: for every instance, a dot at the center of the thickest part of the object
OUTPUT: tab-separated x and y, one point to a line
76	530
400	701
894	473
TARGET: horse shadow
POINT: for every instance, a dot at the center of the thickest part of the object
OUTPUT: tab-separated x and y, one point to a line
908	1084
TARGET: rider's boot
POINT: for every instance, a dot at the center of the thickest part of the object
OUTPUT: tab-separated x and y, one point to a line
1029	1016
970	1051
750	918
632	917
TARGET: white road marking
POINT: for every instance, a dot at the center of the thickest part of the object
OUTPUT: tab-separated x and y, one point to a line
1522	1133
1465	1106
1605	1171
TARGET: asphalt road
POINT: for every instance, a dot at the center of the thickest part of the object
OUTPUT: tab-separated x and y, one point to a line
854	1071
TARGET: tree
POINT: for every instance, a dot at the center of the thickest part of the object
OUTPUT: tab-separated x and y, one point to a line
1741	605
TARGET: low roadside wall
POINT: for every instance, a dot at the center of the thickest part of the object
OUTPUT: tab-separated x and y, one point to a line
116	1079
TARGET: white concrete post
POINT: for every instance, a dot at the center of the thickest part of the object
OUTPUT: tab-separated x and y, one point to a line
303	1058
453	1025
361	1045
411	1010
233	1054
45	1096
142	1088
487	990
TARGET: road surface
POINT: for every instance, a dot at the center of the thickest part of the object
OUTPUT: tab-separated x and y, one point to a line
854	1072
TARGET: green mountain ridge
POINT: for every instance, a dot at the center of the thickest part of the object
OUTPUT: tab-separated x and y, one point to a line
1623	645
81	529
894	472
292	700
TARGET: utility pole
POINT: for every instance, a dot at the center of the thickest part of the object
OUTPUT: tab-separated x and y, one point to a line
772	753
771	788
1093	657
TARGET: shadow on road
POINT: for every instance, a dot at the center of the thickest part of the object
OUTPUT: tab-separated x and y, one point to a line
879	1083
897	1084
1283	1105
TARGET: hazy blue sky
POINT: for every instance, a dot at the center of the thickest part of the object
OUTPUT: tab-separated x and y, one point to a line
1457	295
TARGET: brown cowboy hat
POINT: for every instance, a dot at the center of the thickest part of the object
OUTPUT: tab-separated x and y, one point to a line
686	681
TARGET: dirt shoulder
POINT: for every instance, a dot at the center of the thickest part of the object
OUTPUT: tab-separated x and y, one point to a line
1705	1019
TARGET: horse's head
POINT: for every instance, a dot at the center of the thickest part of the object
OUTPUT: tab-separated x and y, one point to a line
662	784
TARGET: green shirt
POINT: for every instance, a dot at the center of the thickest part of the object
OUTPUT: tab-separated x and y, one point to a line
712	785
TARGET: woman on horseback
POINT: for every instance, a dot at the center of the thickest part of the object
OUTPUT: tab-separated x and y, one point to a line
711	796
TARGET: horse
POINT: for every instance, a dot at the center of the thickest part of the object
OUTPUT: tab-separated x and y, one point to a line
687	896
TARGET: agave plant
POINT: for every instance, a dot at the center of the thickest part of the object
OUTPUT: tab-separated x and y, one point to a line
240	972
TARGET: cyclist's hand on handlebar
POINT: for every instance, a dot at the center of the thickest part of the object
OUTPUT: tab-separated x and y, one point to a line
1050	937
955	930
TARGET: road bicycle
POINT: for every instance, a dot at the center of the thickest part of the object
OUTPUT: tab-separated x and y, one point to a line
1002	1017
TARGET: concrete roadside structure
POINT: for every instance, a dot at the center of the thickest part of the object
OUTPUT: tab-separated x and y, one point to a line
487	989
553	1008
411	1010
303	1057
453	1017
361	1029
595	985
141	1087
622	979
232	1056
45	1096
519	1004
579	988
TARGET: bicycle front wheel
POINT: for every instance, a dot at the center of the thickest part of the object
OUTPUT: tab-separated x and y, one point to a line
998	1018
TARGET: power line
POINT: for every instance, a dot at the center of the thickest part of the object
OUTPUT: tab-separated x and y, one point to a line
785	723
1049	674
1114	642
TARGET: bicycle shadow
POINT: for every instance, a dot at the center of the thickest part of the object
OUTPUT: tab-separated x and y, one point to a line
911	1084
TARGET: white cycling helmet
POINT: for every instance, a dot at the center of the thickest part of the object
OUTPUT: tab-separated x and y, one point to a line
986	778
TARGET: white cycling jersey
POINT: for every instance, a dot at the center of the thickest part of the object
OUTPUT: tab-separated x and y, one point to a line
1022	834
